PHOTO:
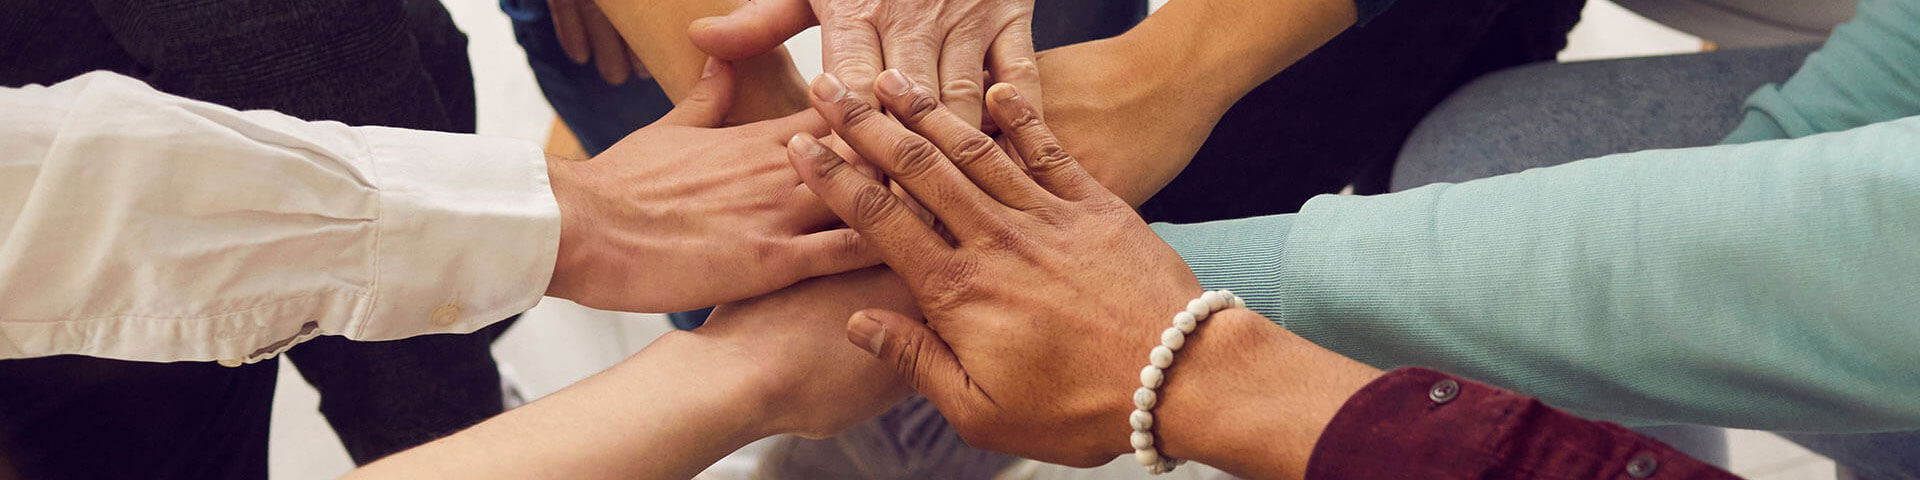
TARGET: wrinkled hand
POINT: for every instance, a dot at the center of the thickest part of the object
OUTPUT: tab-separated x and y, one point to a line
813	382
586	34
682	214
934	42
1039	318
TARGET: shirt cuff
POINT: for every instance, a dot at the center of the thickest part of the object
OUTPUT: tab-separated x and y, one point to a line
1435	425
468	232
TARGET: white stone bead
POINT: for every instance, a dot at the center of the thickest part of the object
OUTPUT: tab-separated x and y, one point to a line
1225	292
1173	338
1185	322
1215	301
1239	302
1198	308
1148	457
1161	356
1151	376
1141	420
1144	398
1142	440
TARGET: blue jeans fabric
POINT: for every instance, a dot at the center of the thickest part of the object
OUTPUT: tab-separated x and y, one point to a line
1548	114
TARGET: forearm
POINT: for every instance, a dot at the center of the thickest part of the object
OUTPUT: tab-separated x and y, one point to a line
1221	49
1624	286
144	226
667	412
1135	108
1864	74
768	85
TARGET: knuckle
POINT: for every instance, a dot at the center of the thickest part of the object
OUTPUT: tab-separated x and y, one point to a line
871	202
967	89
920	107
973	149
997	236
1018	69
953	283
855	111
1048	156
913	156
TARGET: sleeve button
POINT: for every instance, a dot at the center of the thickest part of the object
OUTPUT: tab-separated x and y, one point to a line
446	315
1443	391
1642	466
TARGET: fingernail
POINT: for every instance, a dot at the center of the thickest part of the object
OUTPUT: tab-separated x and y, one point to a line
1003	93
713	67
828	88
805	146
867	333
893	83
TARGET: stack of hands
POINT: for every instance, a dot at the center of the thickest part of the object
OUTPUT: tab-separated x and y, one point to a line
1041	289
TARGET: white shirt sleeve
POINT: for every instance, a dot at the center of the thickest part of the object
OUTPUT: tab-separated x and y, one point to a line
143	226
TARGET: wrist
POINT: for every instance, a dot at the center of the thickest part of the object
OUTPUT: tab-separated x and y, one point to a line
1251	398
723	391
574	223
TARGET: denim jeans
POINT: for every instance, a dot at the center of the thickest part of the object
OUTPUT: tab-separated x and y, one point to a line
1548	114
362	62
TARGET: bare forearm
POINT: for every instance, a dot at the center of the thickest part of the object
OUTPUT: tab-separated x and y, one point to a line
1135	108
667	412
656	30
1225	48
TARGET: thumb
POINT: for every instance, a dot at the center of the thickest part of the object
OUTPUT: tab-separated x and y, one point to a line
914	351
752	29
707	103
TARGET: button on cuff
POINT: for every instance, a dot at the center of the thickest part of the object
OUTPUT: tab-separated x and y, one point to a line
1444	391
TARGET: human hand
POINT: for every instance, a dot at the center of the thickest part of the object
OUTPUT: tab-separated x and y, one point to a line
586	34
1036	264
1039	319
934	42
812	382
682	214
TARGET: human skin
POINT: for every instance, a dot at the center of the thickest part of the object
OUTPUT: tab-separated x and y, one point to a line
1044	292
936	42
686	400
684	214
656	32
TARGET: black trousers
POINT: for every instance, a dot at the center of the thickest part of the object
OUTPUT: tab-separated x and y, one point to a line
398	63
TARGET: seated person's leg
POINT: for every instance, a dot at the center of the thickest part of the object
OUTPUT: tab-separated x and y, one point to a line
1548	114
1551	113
83	417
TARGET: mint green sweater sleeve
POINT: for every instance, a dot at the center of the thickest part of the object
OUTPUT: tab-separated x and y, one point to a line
1867	72
1773	285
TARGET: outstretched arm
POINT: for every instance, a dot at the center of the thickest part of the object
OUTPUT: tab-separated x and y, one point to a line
686	400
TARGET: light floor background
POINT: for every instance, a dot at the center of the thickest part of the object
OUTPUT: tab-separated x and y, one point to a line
558	342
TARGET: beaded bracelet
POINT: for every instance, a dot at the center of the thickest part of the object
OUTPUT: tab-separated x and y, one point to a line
1154	375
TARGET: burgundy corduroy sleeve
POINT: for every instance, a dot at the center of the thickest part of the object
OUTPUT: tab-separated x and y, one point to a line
1419	423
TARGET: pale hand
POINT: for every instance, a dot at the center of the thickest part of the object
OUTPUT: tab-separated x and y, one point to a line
682	214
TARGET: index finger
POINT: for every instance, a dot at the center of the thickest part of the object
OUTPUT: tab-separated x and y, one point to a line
909	246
